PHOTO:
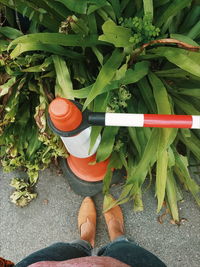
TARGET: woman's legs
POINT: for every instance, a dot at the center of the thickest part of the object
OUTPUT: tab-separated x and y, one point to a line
77	249
121	248
130	253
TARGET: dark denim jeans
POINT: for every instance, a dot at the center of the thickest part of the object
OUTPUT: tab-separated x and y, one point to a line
121	249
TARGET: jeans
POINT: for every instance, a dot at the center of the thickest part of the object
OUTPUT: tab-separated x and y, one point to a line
122	249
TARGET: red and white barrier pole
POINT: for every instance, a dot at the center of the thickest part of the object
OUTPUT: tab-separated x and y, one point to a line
145	120
65	120
74	127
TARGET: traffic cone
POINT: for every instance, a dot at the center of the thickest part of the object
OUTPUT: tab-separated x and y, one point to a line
84	175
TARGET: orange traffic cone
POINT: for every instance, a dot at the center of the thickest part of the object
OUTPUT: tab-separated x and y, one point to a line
67	120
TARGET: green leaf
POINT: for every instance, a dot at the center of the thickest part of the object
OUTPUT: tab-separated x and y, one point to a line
183	38
161	174
10	33
138	203
4	89
186	106
186	60
148	158
177	73
34	143
192	142
100	104
171	196
116	7
166	137
63	78
58	39
131	76
108	202
83	5
148	8
194	92
40	68
37	46
133	134
106	74
147	94
113	163
160	94
173	8
116	35
182	172
195	31
107	142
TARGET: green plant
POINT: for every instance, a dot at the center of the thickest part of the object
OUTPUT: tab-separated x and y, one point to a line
121	56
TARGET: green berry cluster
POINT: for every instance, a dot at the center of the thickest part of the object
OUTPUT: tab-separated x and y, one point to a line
142	29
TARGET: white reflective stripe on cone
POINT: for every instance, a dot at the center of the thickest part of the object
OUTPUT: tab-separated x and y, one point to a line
195	122
122	119
79	145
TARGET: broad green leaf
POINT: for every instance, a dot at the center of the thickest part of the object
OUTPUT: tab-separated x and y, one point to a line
37	46
10	33
173	8
106	74
186	60
58	39
63	78
116	35
107	142
171	196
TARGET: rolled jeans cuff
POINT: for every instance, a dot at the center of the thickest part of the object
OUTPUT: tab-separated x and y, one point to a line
83	245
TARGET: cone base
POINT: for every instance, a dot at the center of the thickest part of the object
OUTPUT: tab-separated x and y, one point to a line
85	188
86	168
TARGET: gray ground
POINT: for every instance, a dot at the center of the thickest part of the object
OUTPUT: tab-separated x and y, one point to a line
23	231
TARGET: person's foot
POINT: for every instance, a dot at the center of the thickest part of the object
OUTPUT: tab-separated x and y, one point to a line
115	222
87	220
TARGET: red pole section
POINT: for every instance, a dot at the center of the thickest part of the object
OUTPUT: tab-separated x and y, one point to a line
168	121
152	120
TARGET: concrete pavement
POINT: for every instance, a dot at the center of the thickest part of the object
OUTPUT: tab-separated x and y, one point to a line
52	217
